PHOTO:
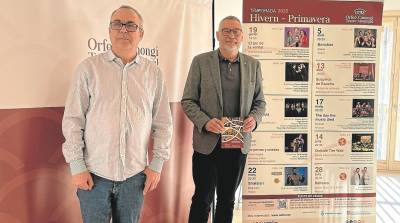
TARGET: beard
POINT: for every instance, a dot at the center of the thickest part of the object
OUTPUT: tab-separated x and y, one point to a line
231	49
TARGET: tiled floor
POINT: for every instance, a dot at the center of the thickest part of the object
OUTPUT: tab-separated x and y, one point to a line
387	200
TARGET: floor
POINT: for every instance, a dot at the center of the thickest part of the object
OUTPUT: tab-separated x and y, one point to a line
388	199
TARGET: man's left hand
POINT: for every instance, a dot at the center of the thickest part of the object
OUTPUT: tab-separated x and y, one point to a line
152	179
249	124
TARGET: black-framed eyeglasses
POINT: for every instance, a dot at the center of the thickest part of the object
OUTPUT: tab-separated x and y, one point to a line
227	31
129	26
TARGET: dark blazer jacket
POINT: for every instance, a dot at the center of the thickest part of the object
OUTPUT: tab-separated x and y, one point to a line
202	97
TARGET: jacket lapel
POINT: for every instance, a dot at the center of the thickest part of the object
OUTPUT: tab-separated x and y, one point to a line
215	73
244	82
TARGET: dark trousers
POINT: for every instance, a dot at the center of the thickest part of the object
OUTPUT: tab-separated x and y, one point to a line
222	169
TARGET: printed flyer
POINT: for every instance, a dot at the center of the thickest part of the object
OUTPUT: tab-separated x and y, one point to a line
313	156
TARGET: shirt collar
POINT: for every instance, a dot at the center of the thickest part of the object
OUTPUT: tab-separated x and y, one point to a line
112	57
222	58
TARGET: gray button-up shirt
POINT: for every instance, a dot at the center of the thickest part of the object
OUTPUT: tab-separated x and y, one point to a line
111	111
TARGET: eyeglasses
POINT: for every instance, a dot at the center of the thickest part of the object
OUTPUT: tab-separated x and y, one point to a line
129	26
227	31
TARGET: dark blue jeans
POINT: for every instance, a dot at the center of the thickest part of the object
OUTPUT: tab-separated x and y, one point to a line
120	200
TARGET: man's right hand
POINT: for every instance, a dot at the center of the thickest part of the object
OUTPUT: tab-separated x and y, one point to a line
215	125
83	180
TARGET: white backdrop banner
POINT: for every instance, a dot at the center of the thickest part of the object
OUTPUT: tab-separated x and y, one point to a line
44	40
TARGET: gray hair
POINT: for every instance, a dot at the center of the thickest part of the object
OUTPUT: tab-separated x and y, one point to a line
130	8
231	17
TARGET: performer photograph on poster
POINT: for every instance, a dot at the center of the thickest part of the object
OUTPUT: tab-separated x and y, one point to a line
362	142
363	108
360	176
295	107
365	38
295	71
296	36
295	176
295	142
364	72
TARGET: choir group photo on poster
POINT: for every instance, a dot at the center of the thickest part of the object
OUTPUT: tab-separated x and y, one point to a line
295	107
362	142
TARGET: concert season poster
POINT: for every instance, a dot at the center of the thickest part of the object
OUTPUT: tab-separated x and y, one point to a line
313	156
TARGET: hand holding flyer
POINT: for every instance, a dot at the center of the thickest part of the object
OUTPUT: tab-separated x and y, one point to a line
232	137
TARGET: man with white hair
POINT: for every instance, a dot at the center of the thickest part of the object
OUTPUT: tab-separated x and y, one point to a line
221	83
